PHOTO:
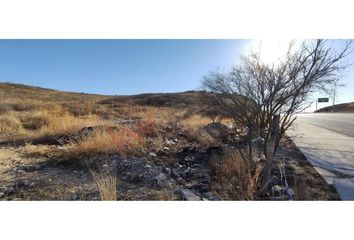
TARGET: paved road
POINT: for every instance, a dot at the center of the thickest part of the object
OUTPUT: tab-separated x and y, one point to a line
338	122
327	141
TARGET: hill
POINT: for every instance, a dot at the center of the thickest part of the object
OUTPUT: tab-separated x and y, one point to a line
343	107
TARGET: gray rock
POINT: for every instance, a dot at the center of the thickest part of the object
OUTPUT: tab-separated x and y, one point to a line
175	173
211	197
9	190
179	180
161	180
289	192
168	171
189	195
278	190
202	187
2	194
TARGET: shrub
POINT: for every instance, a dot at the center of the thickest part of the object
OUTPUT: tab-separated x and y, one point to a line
124	142
236	178
106	182
65	122
10	124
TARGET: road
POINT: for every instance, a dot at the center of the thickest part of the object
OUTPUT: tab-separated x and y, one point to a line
327	141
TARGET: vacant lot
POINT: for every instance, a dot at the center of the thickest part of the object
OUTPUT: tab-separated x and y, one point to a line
70	146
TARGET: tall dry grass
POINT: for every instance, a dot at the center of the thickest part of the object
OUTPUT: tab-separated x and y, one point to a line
236	178
107	184
40	123
123	141
195	122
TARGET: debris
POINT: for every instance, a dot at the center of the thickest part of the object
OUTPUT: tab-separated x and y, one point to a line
152	154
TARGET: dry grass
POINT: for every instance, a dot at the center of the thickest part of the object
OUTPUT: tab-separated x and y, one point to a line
65	122
10	124
195	122
106	183
123	141
193	125
39	123
235	178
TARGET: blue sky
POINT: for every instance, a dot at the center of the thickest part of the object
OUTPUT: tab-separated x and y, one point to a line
125	66
115	66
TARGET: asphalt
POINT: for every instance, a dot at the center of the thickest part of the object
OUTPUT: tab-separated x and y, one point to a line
327	141
342	123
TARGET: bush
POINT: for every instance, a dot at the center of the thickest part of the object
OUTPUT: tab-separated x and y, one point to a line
124	142
10	124
236	178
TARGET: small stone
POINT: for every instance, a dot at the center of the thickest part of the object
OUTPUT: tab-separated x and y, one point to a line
202	187
9	190
2	194
180	180
289	192
161	180
211	197
152	154
189	195
174	173
168	171
74	196
166	149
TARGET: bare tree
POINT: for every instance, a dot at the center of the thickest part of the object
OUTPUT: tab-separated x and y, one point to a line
255	94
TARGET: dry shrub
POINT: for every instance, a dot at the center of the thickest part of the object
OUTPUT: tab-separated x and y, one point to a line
236	178
106	182
124	142
65	122
10	124
193	125
195	122
20	105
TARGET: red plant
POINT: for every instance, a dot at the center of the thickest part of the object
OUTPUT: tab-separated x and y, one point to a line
125	140
146	128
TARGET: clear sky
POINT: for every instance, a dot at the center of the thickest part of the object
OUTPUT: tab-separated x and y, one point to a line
115	66
127	66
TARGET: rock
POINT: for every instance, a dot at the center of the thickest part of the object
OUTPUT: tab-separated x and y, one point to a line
166	149
169	142
9	190
189	158
161	180
289	192
179	180
74	196
167	171
201	187
189	195
278	190
24	184
152	154
211	197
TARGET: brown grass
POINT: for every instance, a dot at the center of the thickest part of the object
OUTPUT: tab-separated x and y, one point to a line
10	124
195	122
106	184
123	141
235	178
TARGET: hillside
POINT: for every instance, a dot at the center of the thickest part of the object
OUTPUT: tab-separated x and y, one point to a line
343	107
58	145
